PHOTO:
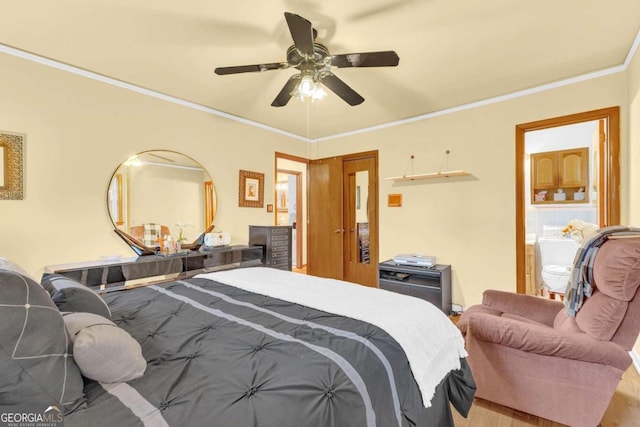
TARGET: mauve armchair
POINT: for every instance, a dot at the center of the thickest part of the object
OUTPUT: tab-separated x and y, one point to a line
526	353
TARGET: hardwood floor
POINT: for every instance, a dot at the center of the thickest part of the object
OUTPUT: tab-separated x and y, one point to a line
623	411
302	270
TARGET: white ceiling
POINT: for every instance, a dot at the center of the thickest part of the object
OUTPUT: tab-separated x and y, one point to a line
452	52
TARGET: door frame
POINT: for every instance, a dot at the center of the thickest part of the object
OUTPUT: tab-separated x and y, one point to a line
608	175
301	221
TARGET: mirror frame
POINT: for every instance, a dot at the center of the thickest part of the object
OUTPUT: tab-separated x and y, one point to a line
210	203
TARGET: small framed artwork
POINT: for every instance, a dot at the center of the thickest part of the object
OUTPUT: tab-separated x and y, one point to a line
11	167
394	200
251	189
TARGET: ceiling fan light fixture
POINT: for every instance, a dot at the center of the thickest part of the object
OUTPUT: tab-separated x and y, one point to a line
133	161
314	62
319	93
307	86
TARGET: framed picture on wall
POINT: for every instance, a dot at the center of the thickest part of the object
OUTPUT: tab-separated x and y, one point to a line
251	189
11	166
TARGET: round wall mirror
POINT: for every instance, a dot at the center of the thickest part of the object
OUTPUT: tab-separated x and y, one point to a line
161	192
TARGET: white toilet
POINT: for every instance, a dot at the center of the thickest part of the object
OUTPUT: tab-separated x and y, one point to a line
556	257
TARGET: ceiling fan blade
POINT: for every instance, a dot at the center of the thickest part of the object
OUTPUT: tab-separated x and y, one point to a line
221	71
301	33
341	89
285	93
387	58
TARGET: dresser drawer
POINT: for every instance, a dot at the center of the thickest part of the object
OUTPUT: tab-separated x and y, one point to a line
276	243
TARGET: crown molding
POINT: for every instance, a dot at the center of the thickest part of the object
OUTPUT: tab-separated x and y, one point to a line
9	50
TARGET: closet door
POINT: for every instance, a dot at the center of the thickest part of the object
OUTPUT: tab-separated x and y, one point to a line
325	230
343	218
360	221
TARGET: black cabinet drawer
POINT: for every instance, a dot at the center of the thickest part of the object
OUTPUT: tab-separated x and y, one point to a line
412	279
276	241
430	284
431	294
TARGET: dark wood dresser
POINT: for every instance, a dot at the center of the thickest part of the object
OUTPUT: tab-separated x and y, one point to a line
276	244
114	274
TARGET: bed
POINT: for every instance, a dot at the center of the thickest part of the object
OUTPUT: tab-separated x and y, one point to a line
261	347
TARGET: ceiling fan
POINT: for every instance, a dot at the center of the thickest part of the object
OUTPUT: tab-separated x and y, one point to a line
315	62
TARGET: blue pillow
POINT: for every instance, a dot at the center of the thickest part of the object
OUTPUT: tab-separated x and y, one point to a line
69	295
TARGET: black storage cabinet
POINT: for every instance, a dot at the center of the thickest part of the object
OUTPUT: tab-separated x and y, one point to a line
432	284
276	244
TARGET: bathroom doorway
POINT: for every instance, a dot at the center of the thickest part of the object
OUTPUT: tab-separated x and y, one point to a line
290	201
567	168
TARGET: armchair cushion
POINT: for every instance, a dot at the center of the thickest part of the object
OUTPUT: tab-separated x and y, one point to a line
536	309
616	270
601	315
565	323
545	340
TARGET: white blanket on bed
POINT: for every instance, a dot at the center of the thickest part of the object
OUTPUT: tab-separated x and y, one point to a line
432	343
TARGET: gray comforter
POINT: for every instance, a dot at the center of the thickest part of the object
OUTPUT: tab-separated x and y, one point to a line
229	357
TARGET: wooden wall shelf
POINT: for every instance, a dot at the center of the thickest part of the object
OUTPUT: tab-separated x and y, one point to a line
416	177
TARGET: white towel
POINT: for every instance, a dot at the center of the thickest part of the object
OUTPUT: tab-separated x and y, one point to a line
432	343
151	233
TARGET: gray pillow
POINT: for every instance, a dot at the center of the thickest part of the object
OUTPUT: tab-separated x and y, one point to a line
35	358
103	351
6	264
72	296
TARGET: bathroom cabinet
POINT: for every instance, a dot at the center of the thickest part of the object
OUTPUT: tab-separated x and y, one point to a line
565	170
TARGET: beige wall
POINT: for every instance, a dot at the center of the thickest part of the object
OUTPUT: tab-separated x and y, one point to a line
467	222
633	158
79	130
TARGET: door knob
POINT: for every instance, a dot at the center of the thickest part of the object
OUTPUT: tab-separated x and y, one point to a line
339	230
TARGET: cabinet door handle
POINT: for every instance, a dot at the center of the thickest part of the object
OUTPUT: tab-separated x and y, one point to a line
339	230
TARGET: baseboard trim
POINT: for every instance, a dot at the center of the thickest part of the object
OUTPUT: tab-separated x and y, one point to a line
636	360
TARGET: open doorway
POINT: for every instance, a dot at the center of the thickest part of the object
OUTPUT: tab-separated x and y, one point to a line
588	188
290	203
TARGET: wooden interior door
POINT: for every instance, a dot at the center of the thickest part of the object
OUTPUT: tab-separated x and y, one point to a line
360	256
343	218
324	228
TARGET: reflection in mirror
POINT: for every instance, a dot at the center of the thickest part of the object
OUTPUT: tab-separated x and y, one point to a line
157	193
362	215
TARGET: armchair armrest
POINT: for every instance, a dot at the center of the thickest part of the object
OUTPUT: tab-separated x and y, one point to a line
546	341
528	306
